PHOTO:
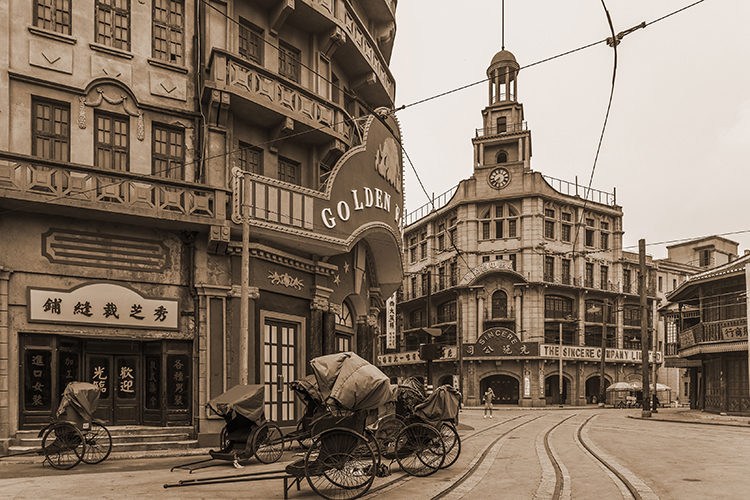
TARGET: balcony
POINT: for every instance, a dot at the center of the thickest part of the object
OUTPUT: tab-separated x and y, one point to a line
427	208
42	184
266	99
579	190
717	331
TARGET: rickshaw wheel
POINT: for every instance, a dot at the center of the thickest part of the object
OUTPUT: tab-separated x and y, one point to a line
374	444
268	443
63	445
386	433
98	444
452	443
340	465
420	450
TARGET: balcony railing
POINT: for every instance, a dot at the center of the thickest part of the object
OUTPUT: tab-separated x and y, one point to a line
575	189
67	184
716	331
511	128
427	208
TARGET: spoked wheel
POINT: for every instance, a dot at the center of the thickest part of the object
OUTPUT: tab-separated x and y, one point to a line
268	443
340	465
98	444
372	442
386	433
63	445
420	450
452	444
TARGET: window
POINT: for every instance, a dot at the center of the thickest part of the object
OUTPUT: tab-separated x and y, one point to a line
324	85
53	15
446	312
168	153
512	258
289	62
251	41
589	233
499	304
485	258
565	271
111	144
414	289
502	125
626	280
441	278
502	157
423	246
454	273
416	318
705	258
549	223
485	230
589	276
556	307
343	343
498	229
604	236
549	268
566	229
168	30
346	318
425	282
603	277
51	130
113	23
250	159
412	249
661	285
289	171
512	233
441	242
631	316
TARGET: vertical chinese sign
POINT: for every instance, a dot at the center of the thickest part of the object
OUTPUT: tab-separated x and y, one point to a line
390	327
178	381
100	374
153	382
38	380
126	373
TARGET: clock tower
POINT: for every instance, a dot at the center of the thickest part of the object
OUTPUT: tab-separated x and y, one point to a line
502	147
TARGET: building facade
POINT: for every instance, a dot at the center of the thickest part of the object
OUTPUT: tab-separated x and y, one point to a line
708	313
523	274
145	172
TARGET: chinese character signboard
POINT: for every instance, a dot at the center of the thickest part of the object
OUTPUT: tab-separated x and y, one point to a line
178	381
100	374
498	342
38	380
126	377
390	326
411	357
67	369
102	304
153	381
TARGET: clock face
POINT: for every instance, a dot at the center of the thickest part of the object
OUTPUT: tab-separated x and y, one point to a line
499	178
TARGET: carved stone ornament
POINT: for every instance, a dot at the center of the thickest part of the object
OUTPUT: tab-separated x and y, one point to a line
285	279
319	303
123	99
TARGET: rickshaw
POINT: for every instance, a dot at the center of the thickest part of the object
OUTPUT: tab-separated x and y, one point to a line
417	413
306	390
246	432
74	436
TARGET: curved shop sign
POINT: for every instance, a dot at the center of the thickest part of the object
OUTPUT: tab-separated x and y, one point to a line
103	304
498	342
367	183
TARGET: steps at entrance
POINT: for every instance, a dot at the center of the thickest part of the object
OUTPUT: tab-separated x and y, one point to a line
132	439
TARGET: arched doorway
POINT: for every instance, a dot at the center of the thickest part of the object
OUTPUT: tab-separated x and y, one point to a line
552	390
504	387
592	389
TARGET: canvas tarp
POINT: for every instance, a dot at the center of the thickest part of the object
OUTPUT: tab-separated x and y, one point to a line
351	381
439	406
307	389
245	400
82	396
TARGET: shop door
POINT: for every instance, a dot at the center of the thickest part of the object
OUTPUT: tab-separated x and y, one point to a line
279	370
118	378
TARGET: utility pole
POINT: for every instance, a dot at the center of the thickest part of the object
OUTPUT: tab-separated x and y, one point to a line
602	392
431	340
245	283
644	326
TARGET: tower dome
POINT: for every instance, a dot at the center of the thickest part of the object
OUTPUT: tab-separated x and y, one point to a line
502	75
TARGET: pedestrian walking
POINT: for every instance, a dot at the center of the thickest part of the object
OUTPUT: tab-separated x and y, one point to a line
488	395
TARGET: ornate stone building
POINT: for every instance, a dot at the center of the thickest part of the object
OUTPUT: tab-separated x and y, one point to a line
137	139
521	272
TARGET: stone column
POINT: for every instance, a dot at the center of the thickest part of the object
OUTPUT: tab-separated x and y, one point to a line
5	396
329	328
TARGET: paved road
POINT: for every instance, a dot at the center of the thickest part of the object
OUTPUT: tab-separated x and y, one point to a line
578	453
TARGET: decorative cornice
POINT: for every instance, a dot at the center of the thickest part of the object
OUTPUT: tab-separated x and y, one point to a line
253	292
206	289
285	259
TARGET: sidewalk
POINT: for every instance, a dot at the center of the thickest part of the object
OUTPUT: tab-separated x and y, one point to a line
688	416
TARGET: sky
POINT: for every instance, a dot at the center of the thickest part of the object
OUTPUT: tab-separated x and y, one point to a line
676	148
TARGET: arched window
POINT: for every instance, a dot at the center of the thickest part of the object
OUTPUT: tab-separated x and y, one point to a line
446	312
499	304
344	328
556	307
346	318
502	157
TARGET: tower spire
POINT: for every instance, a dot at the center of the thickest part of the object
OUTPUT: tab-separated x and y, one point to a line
502	25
